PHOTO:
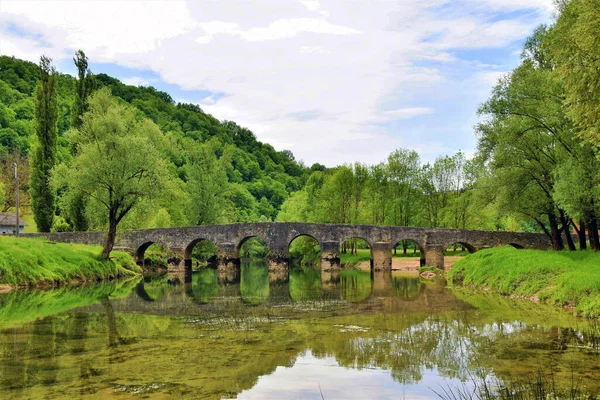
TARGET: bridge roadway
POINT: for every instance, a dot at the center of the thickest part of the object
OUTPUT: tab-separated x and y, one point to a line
229	239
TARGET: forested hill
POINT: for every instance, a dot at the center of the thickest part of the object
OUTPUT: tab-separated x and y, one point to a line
231	175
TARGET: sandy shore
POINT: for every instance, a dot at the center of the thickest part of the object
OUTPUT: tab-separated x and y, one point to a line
412	263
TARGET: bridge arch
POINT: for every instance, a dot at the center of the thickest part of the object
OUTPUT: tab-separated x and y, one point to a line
410	244
469	247
305	249
353	248
248	240
140	250
210	250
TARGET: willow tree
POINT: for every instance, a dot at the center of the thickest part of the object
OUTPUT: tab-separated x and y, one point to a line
117	163
44	159
574	43
526	137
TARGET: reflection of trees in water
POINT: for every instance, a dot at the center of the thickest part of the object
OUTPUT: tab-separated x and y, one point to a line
406	287
13	367
305	284
155	287
254	282
408	345
407	353
204	286
355	285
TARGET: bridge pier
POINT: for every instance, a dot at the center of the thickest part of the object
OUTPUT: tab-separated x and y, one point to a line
176	261
330	256
381	256
228	274
434	257
227	254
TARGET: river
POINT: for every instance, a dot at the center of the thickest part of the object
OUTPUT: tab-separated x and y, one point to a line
252	334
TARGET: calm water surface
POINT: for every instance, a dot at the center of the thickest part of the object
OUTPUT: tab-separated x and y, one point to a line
252	334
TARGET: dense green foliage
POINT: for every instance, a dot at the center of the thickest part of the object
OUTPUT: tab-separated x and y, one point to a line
574	43
401	191
46	115
220	172
36	261
571	278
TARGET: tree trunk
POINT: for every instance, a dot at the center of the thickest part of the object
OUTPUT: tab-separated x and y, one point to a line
404	246
555	234
593	233
582	237
565	227
110	238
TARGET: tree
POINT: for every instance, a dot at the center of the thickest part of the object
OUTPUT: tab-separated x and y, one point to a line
7	178
46	114
118	163
404	167
2	195
573	47
526	137
207	188
84	87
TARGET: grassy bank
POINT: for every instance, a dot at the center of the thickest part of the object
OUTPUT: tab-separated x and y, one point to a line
35	261
559	278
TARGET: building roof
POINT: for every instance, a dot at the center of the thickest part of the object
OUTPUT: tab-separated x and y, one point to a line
9	219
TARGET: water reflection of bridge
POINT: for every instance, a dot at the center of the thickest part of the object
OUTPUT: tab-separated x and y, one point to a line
217	290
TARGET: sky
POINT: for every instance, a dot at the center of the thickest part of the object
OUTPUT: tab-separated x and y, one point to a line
333	81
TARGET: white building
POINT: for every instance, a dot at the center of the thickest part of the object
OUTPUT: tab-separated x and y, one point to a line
8	222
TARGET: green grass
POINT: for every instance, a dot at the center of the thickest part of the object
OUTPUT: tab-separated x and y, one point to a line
559	278
355	259
35	261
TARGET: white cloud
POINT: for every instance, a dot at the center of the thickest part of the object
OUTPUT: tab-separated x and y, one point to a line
344	62
406	113
280	29
491	77
136	81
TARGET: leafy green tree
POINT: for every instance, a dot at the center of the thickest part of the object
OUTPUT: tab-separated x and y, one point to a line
46	112
577	190
84	87
2	195
525	138
207	188
573	47
117	164
404	167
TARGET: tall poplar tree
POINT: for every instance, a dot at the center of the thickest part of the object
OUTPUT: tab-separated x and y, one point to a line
85	86
46	117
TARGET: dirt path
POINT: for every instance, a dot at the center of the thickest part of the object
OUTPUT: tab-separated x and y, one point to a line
5	288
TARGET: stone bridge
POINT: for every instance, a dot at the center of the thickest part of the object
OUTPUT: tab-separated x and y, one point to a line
229	239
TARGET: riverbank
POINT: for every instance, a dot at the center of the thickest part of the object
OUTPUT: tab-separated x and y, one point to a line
27	262
566	279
